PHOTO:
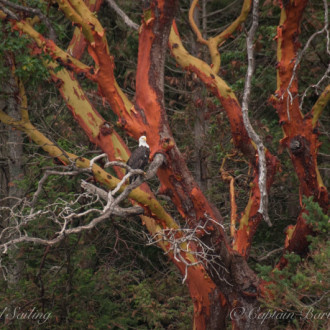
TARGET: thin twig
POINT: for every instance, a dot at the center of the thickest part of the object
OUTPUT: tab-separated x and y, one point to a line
185	241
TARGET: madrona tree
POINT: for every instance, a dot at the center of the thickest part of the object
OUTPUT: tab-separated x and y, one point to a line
211	259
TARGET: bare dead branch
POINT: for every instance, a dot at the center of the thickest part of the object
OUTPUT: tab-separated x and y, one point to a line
47	174
185	241
122	14
315	86
92	189
7	11
263	207
158	160
62	212
269	254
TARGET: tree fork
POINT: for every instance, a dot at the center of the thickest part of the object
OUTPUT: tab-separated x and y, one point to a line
250	220
300	133
242	286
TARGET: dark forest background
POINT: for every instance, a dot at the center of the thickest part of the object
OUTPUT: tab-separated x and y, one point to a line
109	277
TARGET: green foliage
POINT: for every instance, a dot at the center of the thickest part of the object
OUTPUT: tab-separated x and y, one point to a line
303	286
85	295
319	221
28	68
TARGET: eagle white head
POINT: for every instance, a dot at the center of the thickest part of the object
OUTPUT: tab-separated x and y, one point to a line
143	141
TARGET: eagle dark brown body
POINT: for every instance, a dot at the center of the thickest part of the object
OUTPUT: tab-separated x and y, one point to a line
140	157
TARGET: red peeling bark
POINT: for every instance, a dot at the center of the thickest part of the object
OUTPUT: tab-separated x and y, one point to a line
233	110
130	119
300	137
240	136
106	134
149	79
210	306
176	180
298	242
240	284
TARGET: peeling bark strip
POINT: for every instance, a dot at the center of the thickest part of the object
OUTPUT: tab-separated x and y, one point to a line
148	115
300	135
207	300
112	144
295	126
78	42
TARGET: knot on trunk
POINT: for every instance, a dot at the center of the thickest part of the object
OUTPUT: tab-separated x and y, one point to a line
106	128
297	145
251	291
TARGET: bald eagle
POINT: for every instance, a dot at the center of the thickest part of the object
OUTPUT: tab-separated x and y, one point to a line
139	157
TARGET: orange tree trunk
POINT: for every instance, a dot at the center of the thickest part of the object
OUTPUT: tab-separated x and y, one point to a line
300	134
233	277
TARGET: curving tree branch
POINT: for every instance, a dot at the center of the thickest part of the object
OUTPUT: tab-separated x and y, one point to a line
263	207
214	43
